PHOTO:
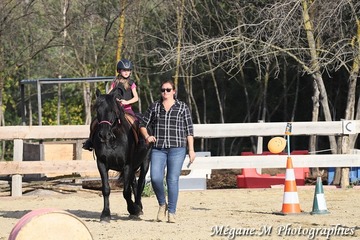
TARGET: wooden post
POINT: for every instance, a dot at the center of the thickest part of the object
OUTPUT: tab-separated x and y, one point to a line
38	85
16	179
78	149
259	148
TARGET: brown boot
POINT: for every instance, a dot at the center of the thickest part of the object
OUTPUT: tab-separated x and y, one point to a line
171	218
161	213
87	145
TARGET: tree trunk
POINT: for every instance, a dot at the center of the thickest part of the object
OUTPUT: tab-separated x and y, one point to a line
315	68
315	117
296	98
121	31
191	99
64	12
264	93
87	101
29	106
58	112
204	141
347	142
221	115
2	120
180	19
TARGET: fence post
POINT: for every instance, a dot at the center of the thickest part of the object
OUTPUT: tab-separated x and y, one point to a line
16	179
259	148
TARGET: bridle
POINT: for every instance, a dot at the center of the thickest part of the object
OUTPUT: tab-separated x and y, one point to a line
110	123
107	122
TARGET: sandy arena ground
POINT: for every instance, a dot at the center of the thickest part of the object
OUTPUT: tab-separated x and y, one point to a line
199	213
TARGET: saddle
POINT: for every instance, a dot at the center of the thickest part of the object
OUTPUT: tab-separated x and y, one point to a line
134	123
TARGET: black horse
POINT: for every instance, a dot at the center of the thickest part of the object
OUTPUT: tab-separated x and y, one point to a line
119	146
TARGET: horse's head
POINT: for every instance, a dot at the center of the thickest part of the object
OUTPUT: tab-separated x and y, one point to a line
109	113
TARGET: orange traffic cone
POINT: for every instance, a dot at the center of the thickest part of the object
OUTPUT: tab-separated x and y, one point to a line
291	199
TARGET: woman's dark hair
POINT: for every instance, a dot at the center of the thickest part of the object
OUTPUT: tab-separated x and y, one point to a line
170	82
172	86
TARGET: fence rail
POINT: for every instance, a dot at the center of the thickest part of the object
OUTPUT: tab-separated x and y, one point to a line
213	162
200	130
20	133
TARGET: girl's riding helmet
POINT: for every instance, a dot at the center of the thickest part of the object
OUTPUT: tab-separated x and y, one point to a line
124	64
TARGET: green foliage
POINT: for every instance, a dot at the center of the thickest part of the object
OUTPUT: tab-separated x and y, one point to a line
148	190
71	105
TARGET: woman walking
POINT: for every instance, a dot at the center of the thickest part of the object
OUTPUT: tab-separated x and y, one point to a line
172	134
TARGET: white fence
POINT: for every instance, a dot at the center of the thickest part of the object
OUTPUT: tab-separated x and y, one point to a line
19	133
201	130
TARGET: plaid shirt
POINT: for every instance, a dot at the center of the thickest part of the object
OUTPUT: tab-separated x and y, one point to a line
170	128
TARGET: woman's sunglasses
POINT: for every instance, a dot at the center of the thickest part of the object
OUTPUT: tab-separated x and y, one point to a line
166	89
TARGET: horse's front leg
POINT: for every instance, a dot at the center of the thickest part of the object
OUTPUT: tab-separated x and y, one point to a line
129	176
105	215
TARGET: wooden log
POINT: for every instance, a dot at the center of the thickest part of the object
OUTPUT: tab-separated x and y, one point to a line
95	184
50	223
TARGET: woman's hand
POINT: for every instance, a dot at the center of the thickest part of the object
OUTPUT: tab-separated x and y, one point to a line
150	139
192	156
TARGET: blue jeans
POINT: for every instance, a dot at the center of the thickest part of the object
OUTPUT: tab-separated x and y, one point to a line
172	159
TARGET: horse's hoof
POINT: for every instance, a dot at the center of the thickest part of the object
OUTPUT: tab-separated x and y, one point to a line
105	219
135	210
134	217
